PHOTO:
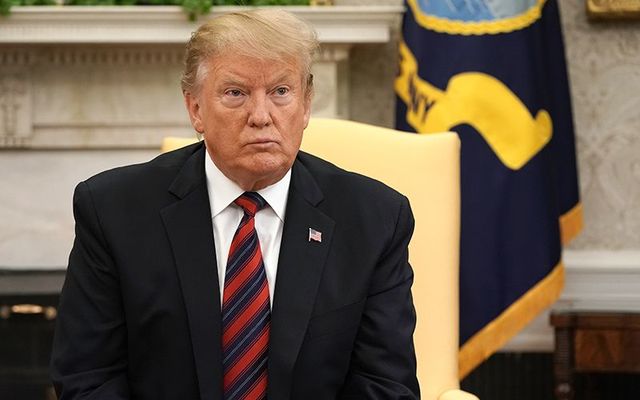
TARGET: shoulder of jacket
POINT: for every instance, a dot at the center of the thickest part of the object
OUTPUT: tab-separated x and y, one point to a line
138	174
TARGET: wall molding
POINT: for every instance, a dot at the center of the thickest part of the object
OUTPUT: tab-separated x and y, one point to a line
596	280
601	281
169	24
15	107
61	55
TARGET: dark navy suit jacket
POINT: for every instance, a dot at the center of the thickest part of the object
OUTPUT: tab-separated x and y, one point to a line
139	315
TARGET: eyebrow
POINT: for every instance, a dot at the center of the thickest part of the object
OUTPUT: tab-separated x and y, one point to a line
232	79
280	78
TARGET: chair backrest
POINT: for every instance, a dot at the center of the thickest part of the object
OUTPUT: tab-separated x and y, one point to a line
426	169
174	142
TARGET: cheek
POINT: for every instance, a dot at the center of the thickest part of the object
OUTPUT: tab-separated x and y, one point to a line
291	147
302	120
221	142
296	139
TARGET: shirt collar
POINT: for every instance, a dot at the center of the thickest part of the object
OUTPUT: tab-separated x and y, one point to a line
223	191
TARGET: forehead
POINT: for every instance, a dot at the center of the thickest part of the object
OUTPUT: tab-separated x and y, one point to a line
246	68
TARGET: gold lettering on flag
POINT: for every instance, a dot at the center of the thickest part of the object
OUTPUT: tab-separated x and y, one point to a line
479	100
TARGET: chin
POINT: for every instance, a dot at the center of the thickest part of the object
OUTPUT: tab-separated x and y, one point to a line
268	162
269	168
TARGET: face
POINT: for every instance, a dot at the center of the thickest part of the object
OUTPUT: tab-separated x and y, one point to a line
251	113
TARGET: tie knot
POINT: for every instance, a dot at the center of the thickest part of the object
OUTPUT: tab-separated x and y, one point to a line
251	203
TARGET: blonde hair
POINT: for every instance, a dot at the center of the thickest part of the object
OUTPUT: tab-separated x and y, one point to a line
270	34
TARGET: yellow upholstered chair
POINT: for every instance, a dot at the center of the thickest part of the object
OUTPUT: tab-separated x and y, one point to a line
174	143
426	169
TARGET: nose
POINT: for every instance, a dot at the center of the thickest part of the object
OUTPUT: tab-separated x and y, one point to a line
259	113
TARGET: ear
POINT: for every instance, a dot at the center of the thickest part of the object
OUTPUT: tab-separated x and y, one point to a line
308	97
193	107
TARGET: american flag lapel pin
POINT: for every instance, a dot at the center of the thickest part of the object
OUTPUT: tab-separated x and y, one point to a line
315	235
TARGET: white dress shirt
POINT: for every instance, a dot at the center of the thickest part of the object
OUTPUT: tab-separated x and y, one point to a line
227	216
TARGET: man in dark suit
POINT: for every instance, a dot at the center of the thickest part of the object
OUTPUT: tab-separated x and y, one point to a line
239	267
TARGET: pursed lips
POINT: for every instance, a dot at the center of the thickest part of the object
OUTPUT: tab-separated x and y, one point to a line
263	142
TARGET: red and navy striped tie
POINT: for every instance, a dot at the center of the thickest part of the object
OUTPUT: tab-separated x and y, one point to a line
246	313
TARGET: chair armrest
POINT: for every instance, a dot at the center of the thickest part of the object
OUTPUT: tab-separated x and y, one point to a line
455	394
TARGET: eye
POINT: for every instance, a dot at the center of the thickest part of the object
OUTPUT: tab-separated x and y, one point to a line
282	91
233	93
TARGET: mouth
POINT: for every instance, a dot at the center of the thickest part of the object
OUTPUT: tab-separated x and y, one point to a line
262	142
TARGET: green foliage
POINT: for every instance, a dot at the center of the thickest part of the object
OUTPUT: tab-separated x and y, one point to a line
280	2
260	2
123	2
192	8
5	5
37	2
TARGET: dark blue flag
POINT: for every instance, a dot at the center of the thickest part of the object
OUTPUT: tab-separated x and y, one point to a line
494	72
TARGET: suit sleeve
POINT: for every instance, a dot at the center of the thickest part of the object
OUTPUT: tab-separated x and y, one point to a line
89	350
383	363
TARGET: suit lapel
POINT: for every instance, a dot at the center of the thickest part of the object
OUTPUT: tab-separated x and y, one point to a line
300	266
189	227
